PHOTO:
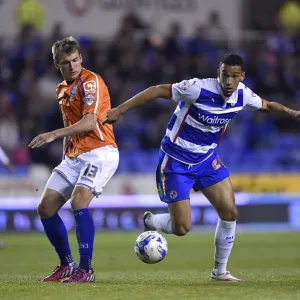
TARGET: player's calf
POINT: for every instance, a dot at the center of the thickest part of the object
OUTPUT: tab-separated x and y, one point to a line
163	223
158	222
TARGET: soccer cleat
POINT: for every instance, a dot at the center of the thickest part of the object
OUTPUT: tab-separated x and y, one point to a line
60	272
147	215
80	276
224	277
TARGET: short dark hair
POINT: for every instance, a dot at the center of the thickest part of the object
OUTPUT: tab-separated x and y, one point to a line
233	60
67	45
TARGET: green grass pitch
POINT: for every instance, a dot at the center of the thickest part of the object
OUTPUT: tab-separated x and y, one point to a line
270	262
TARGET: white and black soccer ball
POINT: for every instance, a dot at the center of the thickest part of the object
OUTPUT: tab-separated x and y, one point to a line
151	247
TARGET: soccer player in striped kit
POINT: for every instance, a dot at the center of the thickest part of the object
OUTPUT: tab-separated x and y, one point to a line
188	157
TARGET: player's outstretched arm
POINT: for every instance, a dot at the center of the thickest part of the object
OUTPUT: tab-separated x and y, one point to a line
151	93
277	109
86	124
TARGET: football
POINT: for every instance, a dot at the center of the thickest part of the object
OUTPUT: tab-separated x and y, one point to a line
151	247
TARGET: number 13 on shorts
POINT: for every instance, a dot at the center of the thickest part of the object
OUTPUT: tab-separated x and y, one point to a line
90	171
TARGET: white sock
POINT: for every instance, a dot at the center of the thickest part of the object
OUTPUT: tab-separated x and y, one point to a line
224	239
160	222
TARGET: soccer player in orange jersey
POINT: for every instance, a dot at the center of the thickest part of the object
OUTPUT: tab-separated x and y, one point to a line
90	159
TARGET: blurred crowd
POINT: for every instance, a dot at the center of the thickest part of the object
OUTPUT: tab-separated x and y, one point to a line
136	58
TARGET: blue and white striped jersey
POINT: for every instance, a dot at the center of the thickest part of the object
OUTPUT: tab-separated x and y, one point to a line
201	117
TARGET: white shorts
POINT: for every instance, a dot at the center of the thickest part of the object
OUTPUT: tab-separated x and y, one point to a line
91	170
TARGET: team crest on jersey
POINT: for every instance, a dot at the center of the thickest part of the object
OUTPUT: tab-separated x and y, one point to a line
173	194
90	87
89	99
74	90
184	85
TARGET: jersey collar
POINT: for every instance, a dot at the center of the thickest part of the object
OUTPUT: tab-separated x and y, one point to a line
69	83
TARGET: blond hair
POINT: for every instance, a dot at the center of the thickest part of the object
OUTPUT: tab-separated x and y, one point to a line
67	45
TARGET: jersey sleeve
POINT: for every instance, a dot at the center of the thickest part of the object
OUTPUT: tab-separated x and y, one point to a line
252	101
91	94
186	90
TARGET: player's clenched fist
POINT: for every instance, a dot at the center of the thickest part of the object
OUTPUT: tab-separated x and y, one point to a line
112	116
42	139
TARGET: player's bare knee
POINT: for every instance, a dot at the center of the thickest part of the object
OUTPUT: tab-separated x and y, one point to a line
230	215
233	214
45	210
78	202
41	209
81	198
50	203
181	229
75	203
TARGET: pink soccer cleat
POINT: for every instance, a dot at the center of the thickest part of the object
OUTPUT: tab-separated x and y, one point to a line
60	272
80	276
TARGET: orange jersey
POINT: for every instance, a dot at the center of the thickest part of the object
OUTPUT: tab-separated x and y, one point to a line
87	94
